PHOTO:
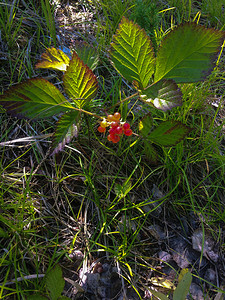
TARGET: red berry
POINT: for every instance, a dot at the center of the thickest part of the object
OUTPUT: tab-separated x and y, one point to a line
112	130
128	132
119	130
115	139
126	126
101	129
114	124
109	137
117	116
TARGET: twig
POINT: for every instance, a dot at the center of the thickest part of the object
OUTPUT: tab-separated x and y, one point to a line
27	277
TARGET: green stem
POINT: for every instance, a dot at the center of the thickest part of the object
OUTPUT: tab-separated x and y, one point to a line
124	100
88	113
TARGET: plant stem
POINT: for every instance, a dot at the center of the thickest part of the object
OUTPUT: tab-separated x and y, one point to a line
124	100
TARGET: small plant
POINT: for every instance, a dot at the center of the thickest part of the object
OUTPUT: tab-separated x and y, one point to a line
186	55
54	286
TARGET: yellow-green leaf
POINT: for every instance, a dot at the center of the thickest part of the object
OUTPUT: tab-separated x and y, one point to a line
80	82
188	53
35	99
132	53
53	59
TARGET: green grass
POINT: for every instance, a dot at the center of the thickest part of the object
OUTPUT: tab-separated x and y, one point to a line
93	196
26	30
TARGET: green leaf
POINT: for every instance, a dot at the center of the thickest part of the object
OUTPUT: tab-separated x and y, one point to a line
53	59
122	190
80	82
34	98
132	53
55	282
159	295
145	125
169	133
66	129
183	287
87	54
188	53
164	94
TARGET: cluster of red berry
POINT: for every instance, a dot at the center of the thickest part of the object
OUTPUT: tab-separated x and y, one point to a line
117	128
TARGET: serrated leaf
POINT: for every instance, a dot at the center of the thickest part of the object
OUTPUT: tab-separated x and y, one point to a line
87	54
145	125
66	129
34	98
169	133
80	82
55	282
164	94
188	53
132	53
183	287
53	59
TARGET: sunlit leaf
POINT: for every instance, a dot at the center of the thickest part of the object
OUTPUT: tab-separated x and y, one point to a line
34	98
66	129
163	282
87	54
80	82
169	133
132	53
164	94
188	53
53	59
55	282
182	273
183	287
